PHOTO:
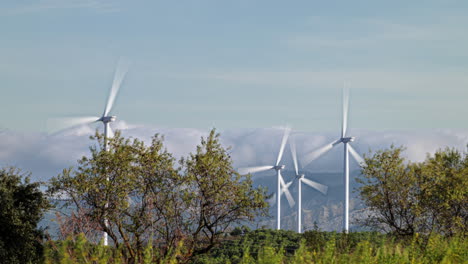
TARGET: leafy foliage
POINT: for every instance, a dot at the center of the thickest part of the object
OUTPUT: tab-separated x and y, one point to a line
444	192
159	213
260	246
216	195
248	244
136	194
22	205
119	191
408	198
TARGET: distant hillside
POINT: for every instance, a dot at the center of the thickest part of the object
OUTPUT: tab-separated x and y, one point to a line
325	210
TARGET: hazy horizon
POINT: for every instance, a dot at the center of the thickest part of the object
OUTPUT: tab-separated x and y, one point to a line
45	155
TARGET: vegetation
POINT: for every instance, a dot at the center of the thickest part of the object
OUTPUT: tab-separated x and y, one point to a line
22	205
408	198
215	195
159	210
269	246
135	194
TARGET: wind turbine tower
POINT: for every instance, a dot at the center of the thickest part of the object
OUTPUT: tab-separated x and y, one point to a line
119	75
281	185
302	179
346	140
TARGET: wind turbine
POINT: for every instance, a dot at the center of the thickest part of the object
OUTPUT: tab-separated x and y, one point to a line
302	179
119	75
347	149
281	185
105	118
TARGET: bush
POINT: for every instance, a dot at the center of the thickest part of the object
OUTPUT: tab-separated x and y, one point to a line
279	246
22	205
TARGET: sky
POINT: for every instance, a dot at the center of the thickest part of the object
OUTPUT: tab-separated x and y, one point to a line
241	66
236	64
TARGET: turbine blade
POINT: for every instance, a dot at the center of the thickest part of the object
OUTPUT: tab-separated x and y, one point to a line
289	198
319	187
248	170
344	123
287	130
319	152
292	145
57	124
360	160
285	190
119	75
272	200
288	184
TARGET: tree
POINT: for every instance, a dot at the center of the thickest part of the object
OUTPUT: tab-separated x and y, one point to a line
408	198
388	189
444	192
136	194
116	191
22	205
216	196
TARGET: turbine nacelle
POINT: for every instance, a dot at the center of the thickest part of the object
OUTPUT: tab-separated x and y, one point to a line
107	119
347	139
279	167
301	176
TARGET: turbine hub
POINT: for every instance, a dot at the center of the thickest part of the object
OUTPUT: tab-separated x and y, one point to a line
107	119
347	139
279	167
301	176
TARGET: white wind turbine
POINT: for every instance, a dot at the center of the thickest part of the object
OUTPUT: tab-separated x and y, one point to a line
281	185
106	119
302	179
347	149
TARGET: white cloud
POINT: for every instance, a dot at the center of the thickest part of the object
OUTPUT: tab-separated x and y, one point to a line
45	156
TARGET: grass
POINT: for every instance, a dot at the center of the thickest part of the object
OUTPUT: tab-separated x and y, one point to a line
269	246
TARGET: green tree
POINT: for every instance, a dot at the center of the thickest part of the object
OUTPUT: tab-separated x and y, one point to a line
120	191
135	193
444	192
22	205
388	187
216	196
408	198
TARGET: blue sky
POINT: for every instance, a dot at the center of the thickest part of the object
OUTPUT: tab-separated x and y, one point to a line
237	64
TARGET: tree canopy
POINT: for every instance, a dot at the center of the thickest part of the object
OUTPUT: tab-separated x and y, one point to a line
408	198
138	195
22	205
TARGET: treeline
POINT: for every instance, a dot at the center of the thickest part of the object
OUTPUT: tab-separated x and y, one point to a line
156	209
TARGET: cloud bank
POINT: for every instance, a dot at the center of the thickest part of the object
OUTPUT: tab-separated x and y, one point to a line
46	155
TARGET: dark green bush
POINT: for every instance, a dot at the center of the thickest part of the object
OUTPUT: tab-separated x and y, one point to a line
22	205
